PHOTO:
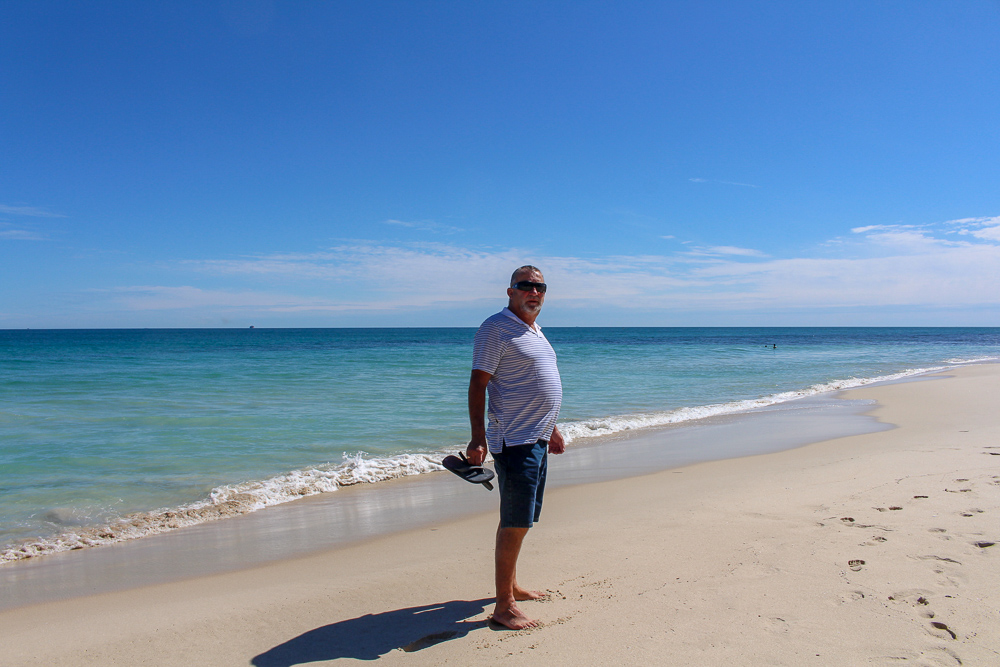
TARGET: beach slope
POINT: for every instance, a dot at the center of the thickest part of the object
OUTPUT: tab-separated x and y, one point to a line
875	549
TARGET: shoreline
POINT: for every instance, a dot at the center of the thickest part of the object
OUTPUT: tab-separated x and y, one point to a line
247	496
358	513
875	548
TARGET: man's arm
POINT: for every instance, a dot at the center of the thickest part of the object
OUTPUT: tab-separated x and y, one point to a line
476	451
556	443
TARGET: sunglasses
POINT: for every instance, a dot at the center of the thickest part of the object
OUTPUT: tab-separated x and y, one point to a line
527	286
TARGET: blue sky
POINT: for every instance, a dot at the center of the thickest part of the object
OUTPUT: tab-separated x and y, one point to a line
389	163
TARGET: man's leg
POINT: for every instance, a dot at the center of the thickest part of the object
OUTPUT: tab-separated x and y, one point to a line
521	481
506	611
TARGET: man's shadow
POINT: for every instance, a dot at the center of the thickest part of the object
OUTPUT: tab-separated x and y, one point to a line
373	635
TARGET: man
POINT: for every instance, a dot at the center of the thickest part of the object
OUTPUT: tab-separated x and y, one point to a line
514	361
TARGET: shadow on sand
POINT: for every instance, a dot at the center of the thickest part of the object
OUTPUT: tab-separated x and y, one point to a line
373	635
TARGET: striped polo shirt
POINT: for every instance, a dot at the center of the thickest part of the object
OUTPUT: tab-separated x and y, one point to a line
525	392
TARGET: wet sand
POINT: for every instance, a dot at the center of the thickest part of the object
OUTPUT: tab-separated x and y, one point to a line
869	549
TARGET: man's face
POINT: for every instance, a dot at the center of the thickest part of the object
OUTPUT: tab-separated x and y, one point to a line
531	301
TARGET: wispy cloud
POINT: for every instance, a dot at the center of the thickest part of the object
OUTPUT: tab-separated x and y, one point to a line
709	180
8	232
30	211
980	228
19	234
424	226
876	268
900	265
158	297
382	273
726	250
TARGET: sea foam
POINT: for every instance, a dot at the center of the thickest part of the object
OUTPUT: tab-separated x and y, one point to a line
231	500
610	425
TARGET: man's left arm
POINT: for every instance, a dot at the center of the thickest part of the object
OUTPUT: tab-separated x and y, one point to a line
556	443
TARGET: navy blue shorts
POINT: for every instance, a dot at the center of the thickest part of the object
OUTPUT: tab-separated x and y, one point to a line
521	473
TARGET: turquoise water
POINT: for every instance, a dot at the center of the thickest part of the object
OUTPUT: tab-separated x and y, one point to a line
115	434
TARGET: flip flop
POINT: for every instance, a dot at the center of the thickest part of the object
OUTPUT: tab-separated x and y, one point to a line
467	471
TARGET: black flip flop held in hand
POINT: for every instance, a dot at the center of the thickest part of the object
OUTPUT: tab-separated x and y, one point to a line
467	471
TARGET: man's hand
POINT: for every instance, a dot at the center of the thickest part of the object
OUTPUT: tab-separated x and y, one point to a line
476	453
556	443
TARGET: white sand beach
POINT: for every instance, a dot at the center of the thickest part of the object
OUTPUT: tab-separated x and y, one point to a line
874	549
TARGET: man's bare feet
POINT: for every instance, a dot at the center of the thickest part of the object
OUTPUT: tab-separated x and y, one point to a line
513	618
522	594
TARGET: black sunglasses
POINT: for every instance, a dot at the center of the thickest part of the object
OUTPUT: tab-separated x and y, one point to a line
527	286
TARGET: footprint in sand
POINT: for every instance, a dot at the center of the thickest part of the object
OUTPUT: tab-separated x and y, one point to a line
940	558
915	597
853	596
855	564
849	521
937	625
971	512
776	624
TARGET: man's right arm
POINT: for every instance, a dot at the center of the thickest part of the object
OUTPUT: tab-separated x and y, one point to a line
476	451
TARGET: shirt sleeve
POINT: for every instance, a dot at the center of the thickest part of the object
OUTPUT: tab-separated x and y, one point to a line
487	349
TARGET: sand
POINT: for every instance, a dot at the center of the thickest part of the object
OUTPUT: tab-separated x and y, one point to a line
873	549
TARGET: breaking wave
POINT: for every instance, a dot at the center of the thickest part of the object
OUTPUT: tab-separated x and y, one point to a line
610	425
229	501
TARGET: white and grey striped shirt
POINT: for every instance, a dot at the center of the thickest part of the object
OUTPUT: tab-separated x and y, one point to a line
525	392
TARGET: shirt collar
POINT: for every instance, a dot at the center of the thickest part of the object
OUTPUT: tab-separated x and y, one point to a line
509	313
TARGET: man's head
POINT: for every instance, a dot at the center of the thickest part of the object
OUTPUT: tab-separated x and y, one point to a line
526	293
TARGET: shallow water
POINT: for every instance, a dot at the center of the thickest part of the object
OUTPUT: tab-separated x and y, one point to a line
114	435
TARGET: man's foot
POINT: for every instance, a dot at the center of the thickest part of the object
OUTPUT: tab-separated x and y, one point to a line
522	594
512	618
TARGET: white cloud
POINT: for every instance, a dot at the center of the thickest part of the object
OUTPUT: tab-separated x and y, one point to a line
900	266
31	211
988	233
988	221
732	250
706	180
981	228
424	226
20	235
156	297
885	266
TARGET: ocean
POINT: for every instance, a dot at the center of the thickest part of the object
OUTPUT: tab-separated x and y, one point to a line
115	435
